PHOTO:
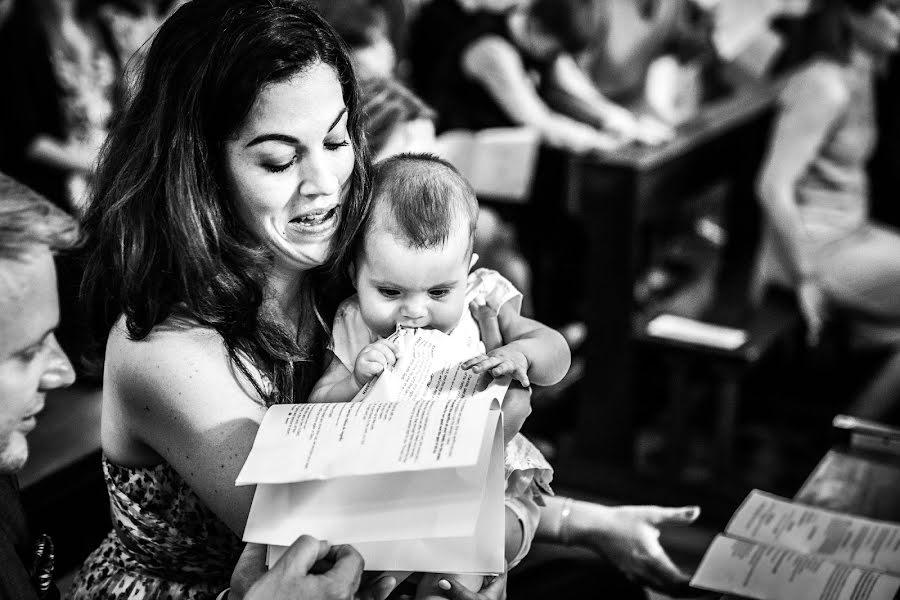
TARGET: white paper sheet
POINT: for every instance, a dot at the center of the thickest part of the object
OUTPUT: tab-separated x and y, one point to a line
412	473
771	573
781	550
853	540
475	549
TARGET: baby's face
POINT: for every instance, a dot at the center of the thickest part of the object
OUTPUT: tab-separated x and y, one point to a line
398	284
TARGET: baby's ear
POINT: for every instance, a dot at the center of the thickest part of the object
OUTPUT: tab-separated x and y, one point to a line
473	260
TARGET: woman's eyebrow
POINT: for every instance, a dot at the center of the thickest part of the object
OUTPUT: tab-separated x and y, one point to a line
286	139
338	118
270	137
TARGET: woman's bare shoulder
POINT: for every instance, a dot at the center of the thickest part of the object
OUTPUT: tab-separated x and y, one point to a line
172	341
488	55
176	358
820	83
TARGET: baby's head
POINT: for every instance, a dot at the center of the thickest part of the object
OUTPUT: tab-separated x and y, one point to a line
416	251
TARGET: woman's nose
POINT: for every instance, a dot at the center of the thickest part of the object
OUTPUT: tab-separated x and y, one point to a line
59	372
316	176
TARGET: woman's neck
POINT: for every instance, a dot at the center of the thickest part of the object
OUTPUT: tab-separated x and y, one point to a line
282	293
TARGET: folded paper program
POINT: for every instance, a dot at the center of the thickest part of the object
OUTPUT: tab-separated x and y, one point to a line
412	476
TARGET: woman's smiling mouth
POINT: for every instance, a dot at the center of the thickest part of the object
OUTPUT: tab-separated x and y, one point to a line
314	222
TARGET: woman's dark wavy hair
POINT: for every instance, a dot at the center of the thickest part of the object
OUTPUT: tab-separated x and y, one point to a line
164	237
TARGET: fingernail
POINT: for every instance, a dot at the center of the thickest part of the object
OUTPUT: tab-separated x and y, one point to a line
444	585
693	512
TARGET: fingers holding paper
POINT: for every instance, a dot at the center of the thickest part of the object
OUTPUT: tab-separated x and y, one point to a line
309	569
374	359
499	362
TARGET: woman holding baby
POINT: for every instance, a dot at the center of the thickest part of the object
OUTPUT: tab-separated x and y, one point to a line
229	197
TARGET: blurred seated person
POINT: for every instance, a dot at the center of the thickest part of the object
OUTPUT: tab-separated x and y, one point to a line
32	364
367	29
636	33
482	69
819	240
131	25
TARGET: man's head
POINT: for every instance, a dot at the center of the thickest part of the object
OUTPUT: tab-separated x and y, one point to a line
31	361
416	252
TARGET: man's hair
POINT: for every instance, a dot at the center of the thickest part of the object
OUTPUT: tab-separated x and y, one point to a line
28	220
426	198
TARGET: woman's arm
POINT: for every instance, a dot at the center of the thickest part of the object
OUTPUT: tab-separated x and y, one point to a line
811	103
176	396
573	90
627	535
47	150
497	66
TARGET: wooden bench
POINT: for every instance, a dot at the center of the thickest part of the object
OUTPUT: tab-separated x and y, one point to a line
775	325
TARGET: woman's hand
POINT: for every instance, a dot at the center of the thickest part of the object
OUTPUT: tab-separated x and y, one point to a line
309	569
493	590
380	585
813	307
629	537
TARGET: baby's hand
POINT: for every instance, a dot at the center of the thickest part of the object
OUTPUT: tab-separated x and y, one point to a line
501	361
372	360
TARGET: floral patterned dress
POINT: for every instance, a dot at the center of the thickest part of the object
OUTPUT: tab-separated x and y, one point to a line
165	543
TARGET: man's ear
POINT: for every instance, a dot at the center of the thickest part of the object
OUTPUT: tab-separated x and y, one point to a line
473	260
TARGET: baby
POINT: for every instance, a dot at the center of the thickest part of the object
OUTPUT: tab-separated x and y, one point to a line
412	268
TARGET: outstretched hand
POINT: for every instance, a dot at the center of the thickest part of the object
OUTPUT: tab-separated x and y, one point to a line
629	537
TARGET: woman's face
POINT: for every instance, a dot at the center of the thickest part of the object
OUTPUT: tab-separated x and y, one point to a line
288	164
878	31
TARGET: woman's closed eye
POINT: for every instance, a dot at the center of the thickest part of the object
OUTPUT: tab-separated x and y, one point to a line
337	145
279	167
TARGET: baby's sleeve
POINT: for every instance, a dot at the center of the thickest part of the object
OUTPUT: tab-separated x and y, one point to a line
349	334
495	290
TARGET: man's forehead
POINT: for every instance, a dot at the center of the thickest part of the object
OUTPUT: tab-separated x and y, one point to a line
29	305
20	276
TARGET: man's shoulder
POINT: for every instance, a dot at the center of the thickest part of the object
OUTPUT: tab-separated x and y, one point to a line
15	583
